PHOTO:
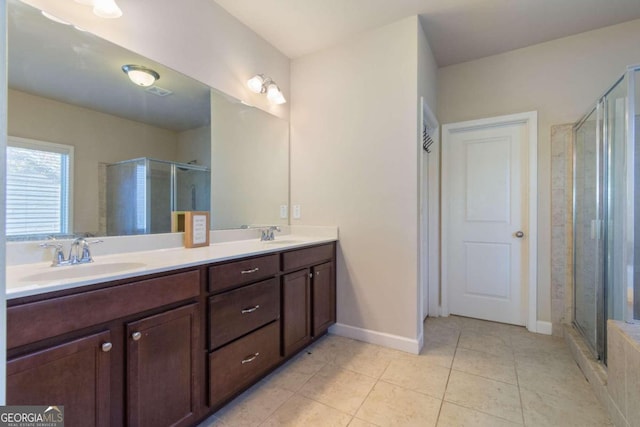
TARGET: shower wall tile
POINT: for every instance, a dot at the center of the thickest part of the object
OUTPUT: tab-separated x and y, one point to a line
561	225
623	368
616	381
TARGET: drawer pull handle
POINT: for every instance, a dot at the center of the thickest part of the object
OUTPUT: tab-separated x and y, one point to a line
253	270
136	336
251	358
106	347
250	310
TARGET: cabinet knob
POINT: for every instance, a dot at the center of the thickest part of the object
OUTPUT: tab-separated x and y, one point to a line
317	273
250	358
106	347
310	275
136	336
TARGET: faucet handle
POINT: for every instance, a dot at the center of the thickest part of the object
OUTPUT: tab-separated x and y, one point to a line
58	255
86	252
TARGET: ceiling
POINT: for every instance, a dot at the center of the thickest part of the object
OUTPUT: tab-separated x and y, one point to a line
457	30
59	62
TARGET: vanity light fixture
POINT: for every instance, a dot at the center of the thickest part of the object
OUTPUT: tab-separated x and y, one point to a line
142	76
261	84
103	8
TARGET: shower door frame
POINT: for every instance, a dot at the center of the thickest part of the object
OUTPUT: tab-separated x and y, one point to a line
604	147
600	232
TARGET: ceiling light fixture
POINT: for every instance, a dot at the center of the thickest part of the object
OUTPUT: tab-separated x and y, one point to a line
103	8
142	76
261	84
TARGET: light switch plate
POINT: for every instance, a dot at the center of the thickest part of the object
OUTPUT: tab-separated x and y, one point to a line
283	211
296	211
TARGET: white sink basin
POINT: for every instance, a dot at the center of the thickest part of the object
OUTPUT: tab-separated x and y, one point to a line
282	242
81	270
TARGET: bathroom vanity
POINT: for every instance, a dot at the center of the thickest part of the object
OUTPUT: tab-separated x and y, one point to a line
171	347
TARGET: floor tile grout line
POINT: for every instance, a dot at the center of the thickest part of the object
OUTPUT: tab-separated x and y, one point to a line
448	378
484	377
374	386
293	393
480	411
515	366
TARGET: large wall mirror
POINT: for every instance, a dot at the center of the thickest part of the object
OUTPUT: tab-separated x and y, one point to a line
91	153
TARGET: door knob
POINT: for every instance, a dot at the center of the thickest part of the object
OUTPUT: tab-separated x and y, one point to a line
519	234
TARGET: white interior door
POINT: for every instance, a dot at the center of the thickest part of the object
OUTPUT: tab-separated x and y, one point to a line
486	219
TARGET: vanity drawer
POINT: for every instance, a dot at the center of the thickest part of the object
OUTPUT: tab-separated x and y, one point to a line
36	321
237	365
305	257
235	273
235	313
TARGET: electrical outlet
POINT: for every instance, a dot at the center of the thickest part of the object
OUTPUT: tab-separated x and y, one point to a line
283	211
296	212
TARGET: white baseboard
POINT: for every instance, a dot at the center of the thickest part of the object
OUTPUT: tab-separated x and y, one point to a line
544	328
379	338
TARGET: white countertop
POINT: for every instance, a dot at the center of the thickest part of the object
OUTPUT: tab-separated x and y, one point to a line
36	278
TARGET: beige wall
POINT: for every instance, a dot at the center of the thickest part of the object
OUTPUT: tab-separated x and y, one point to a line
560	79
96	137
196	37
195	144
250	165
354	164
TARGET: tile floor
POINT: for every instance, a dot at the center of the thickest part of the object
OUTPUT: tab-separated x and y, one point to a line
470	373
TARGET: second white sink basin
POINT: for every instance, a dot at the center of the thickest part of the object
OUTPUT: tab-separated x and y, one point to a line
81	270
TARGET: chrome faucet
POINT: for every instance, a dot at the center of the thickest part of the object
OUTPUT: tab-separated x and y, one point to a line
266	234
78	254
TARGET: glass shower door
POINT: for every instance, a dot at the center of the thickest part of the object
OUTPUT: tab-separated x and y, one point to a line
588	229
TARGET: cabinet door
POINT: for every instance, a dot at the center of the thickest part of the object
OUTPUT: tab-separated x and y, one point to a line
324	298
161	356
74	375
296	313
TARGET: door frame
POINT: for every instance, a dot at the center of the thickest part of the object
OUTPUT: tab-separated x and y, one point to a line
429	186
530	119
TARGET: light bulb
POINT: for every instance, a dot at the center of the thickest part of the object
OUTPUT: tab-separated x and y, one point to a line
140	75
272	91
255	83
274	94
280	99
141	78
106	9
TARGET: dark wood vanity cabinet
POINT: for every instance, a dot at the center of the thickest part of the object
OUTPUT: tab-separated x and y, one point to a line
308	296
243	323
296	311
142	366
323	287
161	384
75	374
167	349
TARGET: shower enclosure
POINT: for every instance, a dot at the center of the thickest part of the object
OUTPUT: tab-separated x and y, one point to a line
605	184
142	193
